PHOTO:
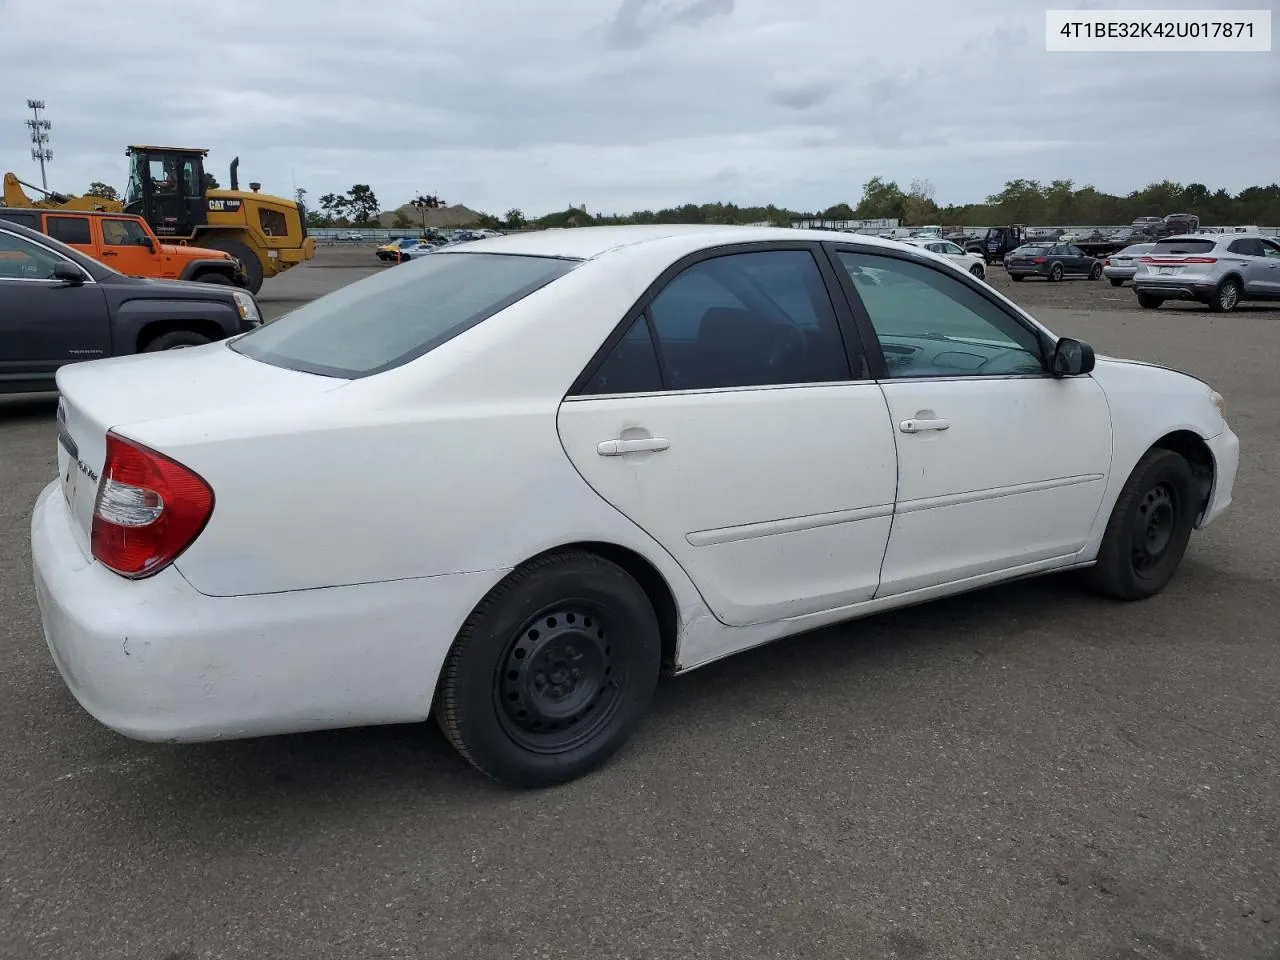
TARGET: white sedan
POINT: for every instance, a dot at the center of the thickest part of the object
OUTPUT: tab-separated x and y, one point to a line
514	481
972	262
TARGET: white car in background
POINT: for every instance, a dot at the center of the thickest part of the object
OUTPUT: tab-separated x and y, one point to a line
511	482
970	262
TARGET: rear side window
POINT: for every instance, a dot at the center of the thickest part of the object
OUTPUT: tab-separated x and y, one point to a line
69	229
29	220
1182	246
396	316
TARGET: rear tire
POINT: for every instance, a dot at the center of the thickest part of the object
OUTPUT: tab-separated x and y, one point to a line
176	340
249	261
1149	528
1227	297
1016	277
1117	283
1055	272
552	671
1149	300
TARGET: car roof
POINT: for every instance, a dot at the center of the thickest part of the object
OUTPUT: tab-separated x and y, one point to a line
588	243
1216	237
70	213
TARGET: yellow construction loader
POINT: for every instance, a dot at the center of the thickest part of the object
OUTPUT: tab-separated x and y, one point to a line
267	234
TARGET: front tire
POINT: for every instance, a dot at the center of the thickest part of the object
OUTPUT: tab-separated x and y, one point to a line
552	671
978	271
176	340
1227	297
221	279
1095	273
1149	528
249	261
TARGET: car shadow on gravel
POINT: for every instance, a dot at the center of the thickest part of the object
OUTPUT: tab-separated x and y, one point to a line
335	772
28	406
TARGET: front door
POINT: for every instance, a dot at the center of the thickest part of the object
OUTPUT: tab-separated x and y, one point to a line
1000	465
730	424
44	323
127	247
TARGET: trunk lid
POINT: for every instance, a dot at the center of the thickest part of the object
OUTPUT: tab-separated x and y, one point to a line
99	395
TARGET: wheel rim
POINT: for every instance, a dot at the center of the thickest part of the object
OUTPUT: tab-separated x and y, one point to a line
1056	272
559	679
1154	526
1229	296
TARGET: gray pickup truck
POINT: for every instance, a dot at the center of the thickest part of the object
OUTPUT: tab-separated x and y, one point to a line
58	306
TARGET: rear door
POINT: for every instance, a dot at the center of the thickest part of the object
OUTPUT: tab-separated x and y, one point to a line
44	323
733	418
74	231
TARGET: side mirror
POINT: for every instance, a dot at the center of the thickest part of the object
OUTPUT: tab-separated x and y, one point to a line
1071	358
68	273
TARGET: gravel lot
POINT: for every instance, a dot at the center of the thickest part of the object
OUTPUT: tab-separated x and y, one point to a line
1025	772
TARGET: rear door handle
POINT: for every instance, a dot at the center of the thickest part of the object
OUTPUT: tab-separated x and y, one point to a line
616	448
921	426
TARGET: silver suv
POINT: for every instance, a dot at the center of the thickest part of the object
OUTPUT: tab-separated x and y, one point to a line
1221	270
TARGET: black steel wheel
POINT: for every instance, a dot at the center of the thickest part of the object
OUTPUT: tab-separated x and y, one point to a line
552	671
1149	528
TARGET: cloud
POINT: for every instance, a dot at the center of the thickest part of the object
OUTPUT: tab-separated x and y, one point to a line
628	104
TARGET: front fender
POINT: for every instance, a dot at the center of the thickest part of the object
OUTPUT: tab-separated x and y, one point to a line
133	315
219	265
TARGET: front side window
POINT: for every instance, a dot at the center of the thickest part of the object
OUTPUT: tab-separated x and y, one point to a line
1249	247
20	259
1270	249
123	233
69	229
393	317
931	324
749	319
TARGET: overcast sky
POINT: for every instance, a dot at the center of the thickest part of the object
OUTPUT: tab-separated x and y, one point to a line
625	104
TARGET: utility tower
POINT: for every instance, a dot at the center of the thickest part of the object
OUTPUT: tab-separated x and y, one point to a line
40	139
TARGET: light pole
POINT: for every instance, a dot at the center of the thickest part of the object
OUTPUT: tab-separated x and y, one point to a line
40	137
425	203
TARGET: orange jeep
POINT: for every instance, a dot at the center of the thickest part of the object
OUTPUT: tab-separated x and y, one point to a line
125	243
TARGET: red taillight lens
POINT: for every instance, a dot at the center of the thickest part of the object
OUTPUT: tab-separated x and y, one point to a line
149	509
1106	262
1041	260
1200	260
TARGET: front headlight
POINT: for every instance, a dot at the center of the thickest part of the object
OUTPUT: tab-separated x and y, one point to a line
247	306
1220	402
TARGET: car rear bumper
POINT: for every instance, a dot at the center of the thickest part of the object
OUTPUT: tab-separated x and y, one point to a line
1225	448
156	660
1119	273
1183	290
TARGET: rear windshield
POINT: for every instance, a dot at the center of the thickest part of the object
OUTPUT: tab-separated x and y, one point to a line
1183	246
1033	249
395	316
1136	250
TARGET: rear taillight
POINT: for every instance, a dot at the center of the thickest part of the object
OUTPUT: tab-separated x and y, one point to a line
1106	262
149	509
1178	261
1041	260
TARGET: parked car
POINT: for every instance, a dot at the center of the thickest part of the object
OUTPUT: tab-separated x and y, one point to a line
58	306
1219	270
351	236
1121	266
510	481
126	243
391	251
972	262
1055	261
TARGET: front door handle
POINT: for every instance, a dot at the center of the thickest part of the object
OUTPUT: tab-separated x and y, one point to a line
921	426
110	253
616	448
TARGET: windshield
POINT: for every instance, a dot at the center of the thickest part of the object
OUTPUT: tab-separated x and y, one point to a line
133	190
393	317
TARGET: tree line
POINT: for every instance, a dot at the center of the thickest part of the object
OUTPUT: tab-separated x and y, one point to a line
1058	202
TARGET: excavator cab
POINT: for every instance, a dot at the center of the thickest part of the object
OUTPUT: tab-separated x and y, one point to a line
166	188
